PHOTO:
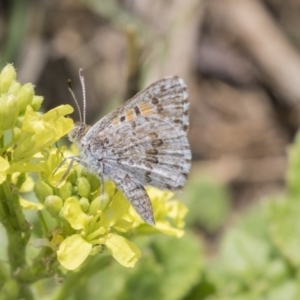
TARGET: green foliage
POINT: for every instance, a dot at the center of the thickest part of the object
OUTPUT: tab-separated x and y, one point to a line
208	203
258	257
169	269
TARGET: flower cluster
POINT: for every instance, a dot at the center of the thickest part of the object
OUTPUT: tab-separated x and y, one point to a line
87	222
24	132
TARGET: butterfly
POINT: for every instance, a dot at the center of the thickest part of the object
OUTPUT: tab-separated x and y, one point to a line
143	142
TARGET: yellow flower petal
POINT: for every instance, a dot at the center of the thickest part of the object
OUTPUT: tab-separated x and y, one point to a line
74	214
55	113
30	205
73	251
155	194
118	207
25	167
166	228
39	131
4	166
122	250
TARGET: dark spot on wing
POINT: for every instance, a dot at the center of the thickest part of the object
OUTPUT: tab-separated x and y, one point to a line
147	176
154	100
185	175
126	178
168	187
160	108
157	143
148	165
153	135
152	159
152	151
137	110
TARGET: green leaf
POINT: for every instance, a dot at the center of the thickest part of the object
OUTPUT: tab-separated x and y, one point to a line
208	203
243	255
170	274
284	219
286	290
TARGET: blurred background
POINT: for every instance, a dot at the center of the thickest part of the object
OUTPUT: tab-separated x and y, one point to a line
241	63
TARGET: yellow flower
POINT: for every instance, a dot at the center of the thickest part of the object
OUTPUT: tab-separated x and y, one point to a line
39	131
94	230
168	214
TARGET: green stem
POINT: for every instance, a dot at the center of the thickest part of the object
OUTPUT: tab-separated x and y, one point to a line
44	265
43	223
1	139
3	272
26	293
16	245
75	281
18	233
4	148
13	202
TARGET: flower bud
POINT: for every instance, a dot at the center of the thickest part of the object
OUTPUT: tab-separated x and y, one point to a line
17	133
25	96
36	102
84	204
83	187
42	190
74	190
93	180
95	206
7	76
65	191
9	111
10	289
96	250
53	204
104	201
14	88
72	176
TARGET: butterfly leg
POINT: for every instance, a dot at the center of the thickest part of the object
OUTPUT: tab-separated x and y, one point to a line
102	184
72	158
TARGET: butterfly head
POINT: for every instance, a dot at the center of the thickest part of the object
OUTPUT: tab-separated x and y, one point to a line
78	132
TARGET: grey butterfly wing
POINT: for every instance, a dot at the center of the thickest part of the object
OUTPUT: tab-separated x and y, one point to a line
166	97
133	191
159	157
144	142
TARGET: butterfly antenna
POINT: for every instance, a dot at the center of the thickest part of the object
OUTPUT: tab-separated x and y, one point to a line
75	100
83	93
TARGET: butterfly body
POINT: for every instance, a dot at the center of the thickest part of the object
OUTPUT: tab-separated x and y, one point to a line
143	142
